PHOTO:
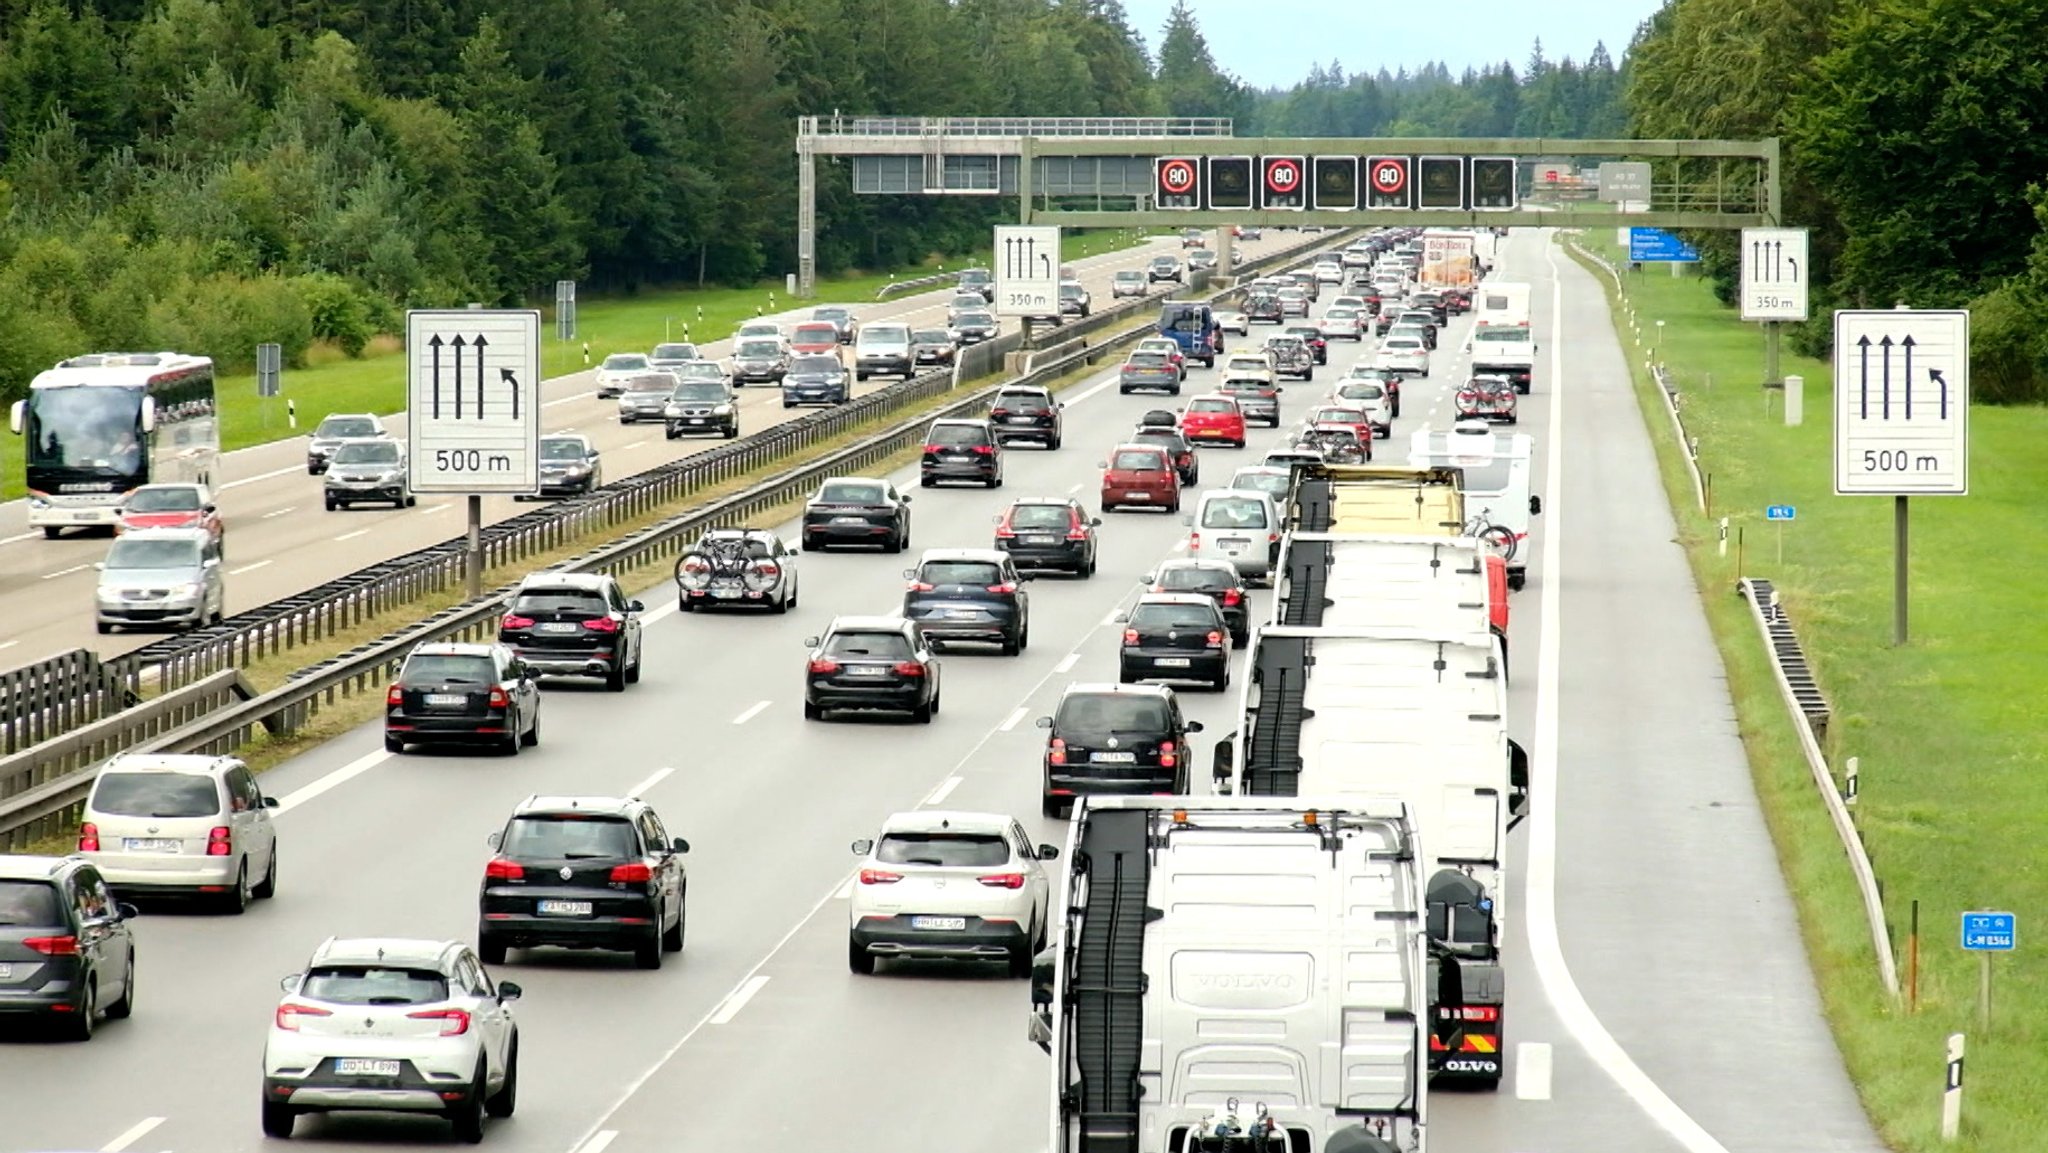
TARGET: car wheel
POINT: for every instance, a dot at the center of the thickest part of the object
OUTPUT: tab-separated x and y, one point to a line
1222	683
279	1120
490	949
532	735
267	887
393	744
615	681
501	1103
1020	961
513	743
1052	808
647	953
813	712
859	959
922	714
124	1008
86	1017
671	433
672	939
732	432
236	901
895	543
780	605
468	1117
633	670
332	504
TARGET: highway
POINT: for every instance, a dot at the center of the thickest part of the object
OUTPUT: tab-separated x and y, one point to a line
281	541
1661	998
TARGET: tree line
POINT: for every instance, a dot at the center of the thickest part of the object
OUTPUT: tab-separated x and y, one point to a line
210	174
1913	149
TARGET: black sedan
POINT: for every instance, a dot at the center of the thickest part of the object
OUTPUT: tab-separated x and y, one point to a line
976	327
857	510
1176	637
462	694
1049	533
871	664
569	465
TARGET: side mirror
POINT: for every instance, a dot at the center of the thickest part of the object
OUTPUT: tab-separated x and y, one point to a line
811	642
1048	852
1535	505
905	499
99	566
1193	727
794	550
679	845
996	519
910	574
17	416
1121	618
509	991
270	802
1027	577
1148	578
1094	522
123	911
1222	763
1101	464
863	847
1043	723
494	839
635	607
210	562
291	984
149	414
209	508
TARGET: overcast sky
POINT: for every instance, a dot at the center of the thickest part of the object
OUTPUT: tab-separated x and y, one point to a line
1272	43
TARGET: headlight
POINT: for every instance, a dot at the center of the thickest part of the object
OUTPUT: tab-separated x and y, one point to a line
722	410
576	470
672	410
387	478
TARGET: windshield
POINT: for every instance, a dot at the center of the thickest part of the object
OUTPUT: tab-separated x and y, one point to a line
164	795
1252	364
623	362
1336	415
1070	290
554	448
374	985
131	553
878	646
450	668
1234	512
976	276
675	352
1029	516
1134	461
345	427
960	572
1271	483
761	349
176	498
85	428
1502	334
976	320
1196	579
32	903
1111	714
367	452
566	837
955	850
804	365
1127	276
876	334
698	390
850	494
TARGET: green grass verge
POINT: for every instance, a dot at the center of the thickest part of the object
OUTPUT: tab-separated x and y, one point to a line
1948	728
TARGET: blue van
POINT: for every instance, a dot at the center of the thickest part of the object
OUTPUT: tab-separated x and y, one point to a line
1192	325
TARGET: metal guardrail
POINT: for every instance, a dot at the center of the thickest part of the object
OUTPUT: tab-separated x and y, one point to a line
56	695
216	714
920	283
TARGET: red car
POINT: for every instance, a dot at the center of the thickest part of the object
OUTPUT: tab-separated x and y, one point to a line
1357	419
170	506
820	338
1215	418
1140	474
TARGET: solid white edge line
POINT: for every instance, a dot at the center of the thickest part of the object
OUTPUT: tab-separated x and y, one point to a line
135	1133
654	778
249	568
1067	663
1014	718
945	789
331	781
573	397
1566	999
598	1141
8	644
20	536
64	572
753	711
1532	1071
738	999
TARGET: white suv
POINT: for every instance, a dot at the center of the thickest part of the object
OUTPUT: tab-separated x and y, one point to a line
184	825
390	1025
1403	352
951	885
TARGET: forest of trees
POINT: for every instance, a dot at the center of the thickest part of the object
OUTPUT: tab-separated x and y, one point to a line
1915	151
209	174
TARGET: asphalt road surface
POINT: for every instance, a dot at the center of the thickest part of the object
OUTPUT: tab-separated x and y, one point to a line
1661	1000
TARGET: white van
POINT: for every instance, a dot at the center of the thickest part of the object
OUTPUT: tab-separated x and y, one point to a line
883	350
1497	476
1239	526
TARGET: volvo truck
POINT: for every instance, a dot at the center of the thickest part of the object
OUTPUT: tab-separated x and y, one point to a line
1251	963
1420	715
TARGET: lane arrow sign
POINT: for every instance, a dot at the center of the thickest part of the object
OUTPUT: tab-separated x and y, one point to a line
1863	379
505	375
1934	374
435	344
479	344
1906	342
457	345
1885	409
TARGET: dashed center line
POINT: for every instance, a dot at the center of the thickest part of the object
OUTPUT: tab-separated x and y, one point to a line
135	1133
1067	663
945	788
739	999
248	568
286	511
752	712
352	535
653	779
599	1141
1014	718
19	536
634	445
570	399
436	508
62	572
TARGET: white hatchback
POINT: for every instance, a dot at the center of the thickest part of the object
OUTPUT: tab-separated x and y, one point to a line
1401	352
391	1025
950	885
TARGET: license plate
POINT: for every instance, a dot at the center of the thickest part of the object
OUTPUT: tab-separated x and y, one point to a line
456	699
1016	420
1041	540
697	420
960	615
1114	758
866	671
1233	542
954	924
958	456
556	627
364	1067
1137	496
848	520
150	845
725	594
564	908
1171	662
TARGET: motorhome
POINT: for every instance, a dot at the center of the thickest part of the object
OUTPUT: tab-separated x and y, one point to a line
1503	341
1241	955
1495	468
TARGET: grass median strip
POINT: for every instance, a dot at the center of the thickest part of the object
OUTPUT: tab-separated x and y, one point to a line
1947	728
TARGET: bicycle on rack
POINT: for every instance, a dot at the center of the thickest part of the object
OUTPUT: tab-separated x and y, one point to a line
1498	537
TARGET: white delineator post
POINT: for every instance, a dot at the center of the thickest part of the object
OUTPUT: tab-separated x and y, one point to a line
1952	1096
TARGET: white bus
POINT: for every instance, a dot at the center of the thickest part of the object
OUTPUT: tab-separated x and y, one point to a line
101	425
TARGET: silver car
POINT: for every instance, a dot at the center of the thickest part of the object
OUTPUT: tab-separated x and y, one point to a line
369	470
644	396
161	576
181	825
334	429
759	360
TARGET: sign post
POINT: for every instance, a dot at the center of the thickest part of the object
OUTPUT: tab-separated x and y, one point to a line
269	373
1985	933
1027	270
1902	416
1781	514
472	412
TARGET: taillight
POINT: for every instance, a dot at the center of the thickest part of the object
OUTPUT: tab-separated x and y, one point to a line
1130	636
1169	756
513	621
1272	538
88	838
909	669
1003	880
220	842
1215	639
504	869
824	667
394	696
1056	752
288	1015
454	1022
499	698
878	877
634	874
1004	531
984	449
931	448
1194	542
65	946
1483	1014
1232	597
920	587
602	625
1005	588
999	412
1076	529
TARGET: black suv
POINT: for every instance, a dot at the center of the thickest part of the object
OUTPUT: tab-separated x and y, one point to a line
1115	739
1024	412
961	450
699	406
872	663
1049	533
1175	637
575	625
584	873
1218	580
64	943
857	510
1186	464
462	694
978	280
969	594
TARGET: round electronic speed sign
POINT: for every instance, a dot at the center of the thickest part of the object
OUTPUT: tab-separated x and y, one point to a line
1389	177
1177	176
1283	176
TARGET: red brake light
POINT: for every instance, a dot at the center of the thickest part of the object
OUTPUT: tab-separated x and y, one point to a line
1003	880
454	1022
878	877
499	698
394	696
517	622
65	946
1168	755
88	838
824	667
999	412
1004	531
602	625
1194	542
931	448
288	1014
909	669
1005	587
920	586
984	449
504	869
1233	596
1130	636
1056	753
220	842
1215	639
635	874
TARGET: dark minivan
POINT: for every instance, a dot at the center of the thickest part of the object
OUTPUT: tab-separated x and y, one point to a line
1115	739
961	450
67	956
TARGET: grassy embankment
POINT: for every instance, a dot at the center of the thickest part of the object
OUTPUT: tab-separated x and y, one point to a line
1949	729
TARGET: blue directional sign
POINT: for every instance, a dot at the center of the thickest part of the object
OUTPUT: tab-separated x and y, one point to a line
1990	932
1780	512
1656	246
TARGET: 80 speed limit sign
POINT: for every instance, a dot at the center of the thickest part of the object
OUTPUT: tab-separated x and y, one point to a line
1389	175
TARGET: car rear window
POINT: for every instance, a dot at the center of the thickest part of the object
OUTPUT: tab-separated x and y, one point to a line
156	795
1040	516
367	452
568	837
1104	713
675	352
1148	360
1335	416
374	985
1138	462
1212	406
1021	401
960	572
850	494
1233	512
1160	616
1195	579
1363	390
1167	438
652	382
958	850
560	602
822	365
622	363
882	646
30	903
555	448
450	668
957	434
1272	483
